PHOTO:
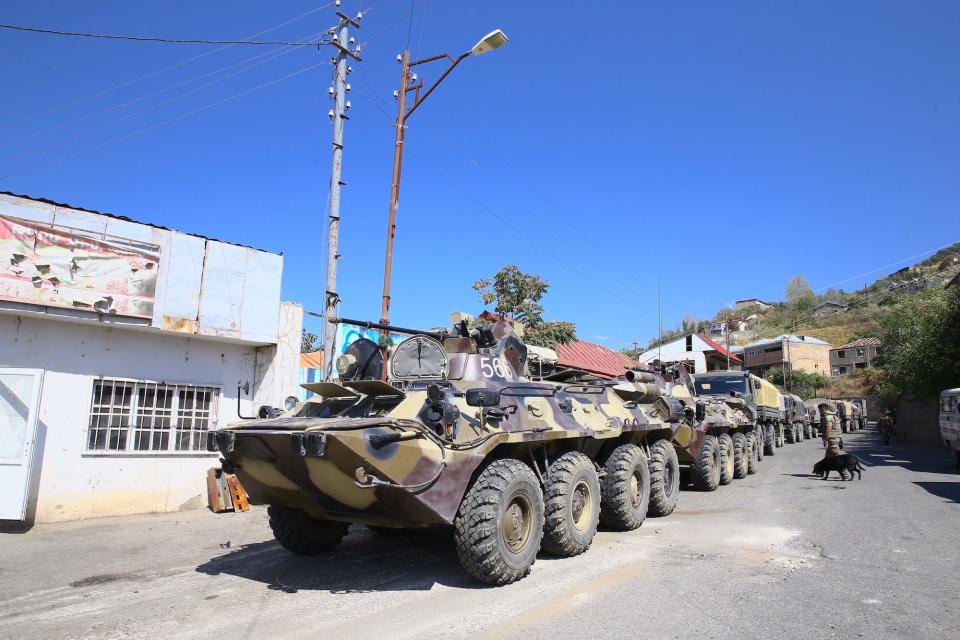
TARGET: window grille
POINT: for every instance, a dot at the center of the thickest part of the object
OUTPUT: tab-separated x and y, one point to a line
150	416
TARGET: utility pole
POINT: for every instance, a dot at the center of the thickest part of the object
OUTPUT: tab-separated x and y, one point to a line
338	93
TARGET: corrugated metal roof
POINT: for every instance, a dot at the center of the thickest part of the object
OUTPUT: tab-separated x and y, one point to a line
787	337
592	358
312	360
862	342
716	347
126	219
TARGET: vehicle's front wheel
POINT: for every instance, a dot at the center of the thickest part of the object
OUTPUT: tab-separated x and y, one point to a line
303	535
706	468
755	451
571	505
499	524
790	434
625	490
664	478
769	440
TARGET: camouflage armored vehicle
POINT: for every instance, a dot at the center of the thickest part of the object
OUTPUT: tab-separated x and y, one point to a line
719	444
761	402
458	436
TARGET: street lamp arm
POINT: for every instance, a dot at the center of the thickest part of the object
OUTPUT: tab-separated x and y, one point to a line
454	62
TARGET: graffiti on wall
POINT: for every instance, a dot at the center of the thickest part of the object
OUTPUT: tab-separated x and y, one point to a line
69	268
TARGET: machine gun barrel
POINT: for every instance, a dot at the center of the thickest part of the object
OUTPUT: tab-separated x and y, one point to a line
388	327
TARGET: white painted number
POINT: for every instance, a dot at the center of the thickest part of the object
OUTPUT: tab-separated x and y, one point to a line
491	367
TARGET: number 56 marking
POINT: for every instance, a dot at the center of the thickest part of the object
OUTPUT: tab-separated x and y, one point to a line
492	367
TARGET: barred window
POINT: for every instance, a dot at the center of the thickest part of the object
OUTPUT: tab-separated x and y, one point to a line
150	416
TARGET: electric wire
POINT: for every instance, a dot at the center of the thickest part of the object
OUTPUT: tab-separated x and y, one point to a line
105	36
262	59
160	71
165	122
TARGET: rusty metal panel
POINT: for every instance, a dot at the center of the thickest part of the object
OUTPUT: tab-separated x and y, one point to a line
178	292
67	267
260	313
222	291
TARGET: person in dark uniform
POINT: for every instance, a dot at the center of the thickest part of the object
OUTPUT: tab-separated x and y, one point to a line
885	427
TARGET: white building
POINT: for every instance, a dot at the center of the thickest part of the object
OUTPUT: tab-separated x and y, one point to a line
121	344
699	353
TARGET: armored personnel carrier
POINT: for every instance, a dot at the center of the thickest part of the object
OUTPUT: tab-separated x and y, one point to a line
719	444
761	401
450	431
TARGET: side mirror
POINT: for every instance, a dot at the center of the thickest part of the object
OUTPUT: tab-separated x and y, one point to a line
483	397
268	412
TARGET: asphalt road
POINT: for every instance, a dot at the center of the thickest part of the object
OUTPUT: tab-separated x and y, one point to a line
778	555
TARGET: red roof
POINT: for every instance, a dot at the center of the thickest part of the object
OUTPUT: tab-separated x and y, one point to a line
718	348
592	358
312	360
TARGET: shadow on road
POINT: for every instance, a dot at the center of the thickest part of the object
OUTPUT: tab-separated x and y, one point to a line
868	447
365	562
950	491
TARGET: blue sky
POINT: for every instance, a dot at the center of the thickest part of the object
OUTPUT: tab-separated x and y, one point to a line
724	146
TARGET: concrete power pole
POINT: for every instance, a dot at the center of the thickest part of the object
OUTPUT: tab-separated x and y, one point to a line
338	93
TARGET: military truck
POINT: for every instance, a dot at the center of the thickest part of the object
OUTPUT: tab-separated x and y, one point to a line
761	402
845	413
450	431
814	414
794	412
720	444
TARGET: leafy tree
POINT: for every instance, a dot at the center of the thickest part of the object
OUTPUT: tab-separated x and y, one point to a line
921	345
517	294
806	385
309	341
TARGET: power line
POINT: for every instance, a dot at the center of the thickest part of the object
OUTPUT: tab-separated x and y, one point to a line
105	36
153	74
266	57
165	122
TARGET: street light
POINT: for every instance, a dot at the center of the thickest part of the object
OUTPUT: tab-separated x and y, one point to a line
493	40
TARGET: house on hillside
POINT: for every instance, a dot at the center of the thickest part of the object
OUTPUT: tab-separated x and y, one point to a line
829	308
787	352
748	303
697	352
122	345
858	354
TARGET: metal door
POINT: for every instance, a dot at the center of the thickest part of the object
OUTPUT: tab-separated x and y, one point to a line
19	397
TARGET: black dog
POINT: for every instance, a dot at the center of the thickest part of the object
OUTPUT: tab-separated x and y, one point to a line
845	462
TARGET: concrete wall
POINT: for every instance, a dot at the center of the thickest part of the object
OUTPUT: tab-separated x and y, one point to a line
73	483
676	352
812	358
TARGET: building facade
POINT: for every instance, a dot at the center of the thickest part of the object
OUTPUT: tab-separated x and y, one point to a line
123	344
697	352
859	354
750	303
788	352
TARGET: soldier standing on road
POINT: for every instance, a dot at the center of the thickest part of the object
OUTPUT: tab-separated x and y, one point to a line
830	430
885	427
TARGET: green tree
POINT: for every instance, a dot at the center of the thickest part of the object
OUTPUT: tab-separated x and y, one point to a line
309	342
517	294
921	345
806	385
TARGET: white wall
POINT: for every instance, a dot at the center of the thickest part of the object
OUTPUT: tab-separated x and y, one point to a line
76	484
676	351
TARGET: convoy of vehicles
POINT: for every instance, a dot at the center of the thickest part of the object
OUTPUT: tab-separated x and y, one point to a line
468	429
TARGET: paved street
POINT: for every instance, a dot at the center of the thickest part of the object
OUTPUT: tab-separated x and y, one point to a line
780	554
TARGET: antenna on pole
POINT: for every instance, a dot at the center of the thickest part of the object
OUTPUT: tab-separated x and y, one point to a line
338	93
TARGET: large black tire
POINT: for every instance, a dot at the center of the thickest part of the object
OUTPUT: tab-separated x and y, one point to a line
790	433
706	468
801	436
758	440
303	535
499	524
769	440
778	432
571	497
625	490
664	479
741	456
727	460
755	450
